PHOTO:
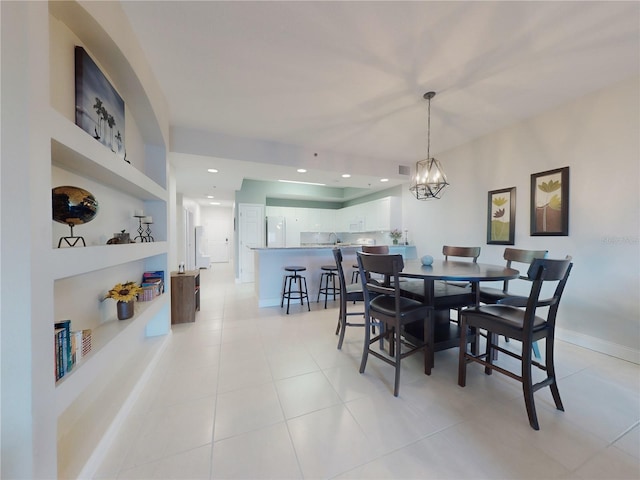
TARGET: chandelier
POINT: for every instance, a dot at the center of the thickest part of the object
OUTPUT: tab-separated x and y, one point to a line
429	180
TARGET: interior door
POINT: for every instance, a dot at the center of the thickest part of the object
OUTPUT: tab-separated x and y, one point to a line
251	235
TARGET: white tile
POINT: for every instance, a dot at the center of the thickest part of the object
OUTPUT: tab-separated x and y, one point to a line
392	422
246	409
630	442
190	384
306	393
329	442
291	362
243	373
190	465
610	463
171	430
599	405
265	453
351	384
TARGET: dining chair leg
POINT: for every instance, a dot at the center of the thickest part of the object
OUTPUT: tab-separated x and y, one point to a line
462	354
339	319
342	322
527	388
398	357
429	347
490	352
551	373
365	350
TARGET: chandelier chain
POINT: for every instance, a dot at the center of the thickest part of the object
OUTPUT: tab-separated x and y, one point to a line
429	130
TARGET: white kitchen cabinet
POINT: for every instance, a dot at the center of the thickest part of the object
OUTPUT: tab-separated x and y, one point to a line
321	220
383	214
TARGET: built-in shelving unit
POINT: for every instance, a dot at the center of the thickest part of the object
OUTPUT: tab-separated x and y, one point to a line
92	398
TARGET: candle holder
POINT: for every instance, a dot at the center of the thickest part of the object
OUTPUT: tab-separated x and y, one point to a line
141	234
148	236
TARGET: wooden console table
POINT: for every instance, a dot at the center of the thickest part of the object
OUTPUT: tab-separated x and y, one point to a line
185	296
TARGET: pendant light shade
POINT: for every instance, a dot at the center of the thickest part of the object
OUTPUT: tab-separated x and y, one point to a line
430	179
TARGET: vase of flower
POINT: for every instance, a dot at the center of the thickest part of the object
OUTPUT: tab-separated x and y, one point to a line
395	235
125	310
124	294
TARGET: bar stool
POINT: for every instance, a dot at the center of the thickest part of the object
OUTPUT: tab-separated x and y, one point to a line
300	293
355	274
329	276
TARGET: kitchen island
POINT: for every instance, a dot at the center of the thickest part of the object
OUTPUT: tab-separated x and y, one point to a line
270	263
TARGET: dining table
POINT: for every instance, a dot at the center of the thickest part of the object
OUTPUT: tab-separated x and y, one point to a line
448	271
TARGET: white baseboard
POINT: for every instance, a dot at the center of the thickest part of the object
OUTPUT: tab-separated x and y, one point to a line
599	345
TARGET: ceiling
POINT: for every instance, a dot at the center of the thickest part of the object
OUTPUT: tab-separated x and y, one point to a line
258	89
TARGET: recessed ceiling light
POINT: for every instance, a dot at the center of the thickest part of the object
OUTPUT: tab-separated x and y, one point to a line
346	175
302	170
303	183
212	170
210	196
384	179
214	203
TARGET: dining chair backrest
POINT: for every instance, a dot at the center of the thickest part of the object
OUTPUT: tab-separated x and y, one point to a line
379	249
464	252
520	256
386	266
540	271
337	256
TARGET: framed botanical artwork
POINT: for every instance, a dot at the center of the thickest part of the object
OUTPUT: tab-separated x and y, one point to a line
99	108
550	202
501	216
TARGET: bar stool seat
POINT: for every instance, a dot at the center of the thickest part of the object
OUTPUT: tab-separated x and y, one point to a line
293	277
328	285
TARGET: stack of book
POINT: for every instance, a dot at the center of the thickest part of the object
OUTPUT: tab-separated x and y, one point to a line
69	347
153	281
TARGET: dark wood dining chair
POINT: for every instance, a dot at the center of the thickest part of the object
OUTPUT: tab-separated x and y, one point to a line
391	309
379	249
491	295
460	252
524	325
349	294
511	255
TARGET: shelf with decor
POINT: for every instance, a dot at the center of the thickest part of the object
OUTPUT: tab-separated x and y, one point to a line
74	150
108	342
67	262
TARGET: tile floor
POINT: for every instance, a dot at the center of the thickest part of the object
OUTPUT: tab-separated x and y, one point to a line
253	393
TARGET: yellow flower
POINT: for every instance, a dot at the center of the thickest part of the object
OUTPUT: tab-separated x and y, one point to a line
124	292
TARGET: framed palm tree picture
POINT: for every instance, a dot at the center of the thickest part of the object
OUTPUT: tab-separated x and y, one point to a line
99	108
501	216
550	202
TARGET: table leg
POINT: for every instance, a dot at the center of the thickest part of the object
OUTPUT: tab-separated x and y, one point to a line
429	327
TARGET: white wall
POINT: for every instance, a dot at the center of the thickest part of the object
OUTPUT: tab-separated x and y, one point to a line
597	136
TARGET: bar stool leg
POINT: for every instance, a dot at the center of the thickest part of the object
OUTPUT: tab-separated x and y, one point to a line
306	292
289	293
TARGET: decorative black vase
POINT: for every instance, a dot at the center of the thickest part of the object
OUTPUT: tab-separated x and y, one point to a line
125	310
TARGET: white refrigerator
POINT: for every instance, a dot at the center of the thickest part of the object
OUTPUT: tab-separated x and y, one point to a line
276	231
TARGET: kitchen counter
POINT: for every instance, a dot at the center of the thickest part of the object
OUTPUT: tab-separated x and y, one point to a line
270	263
